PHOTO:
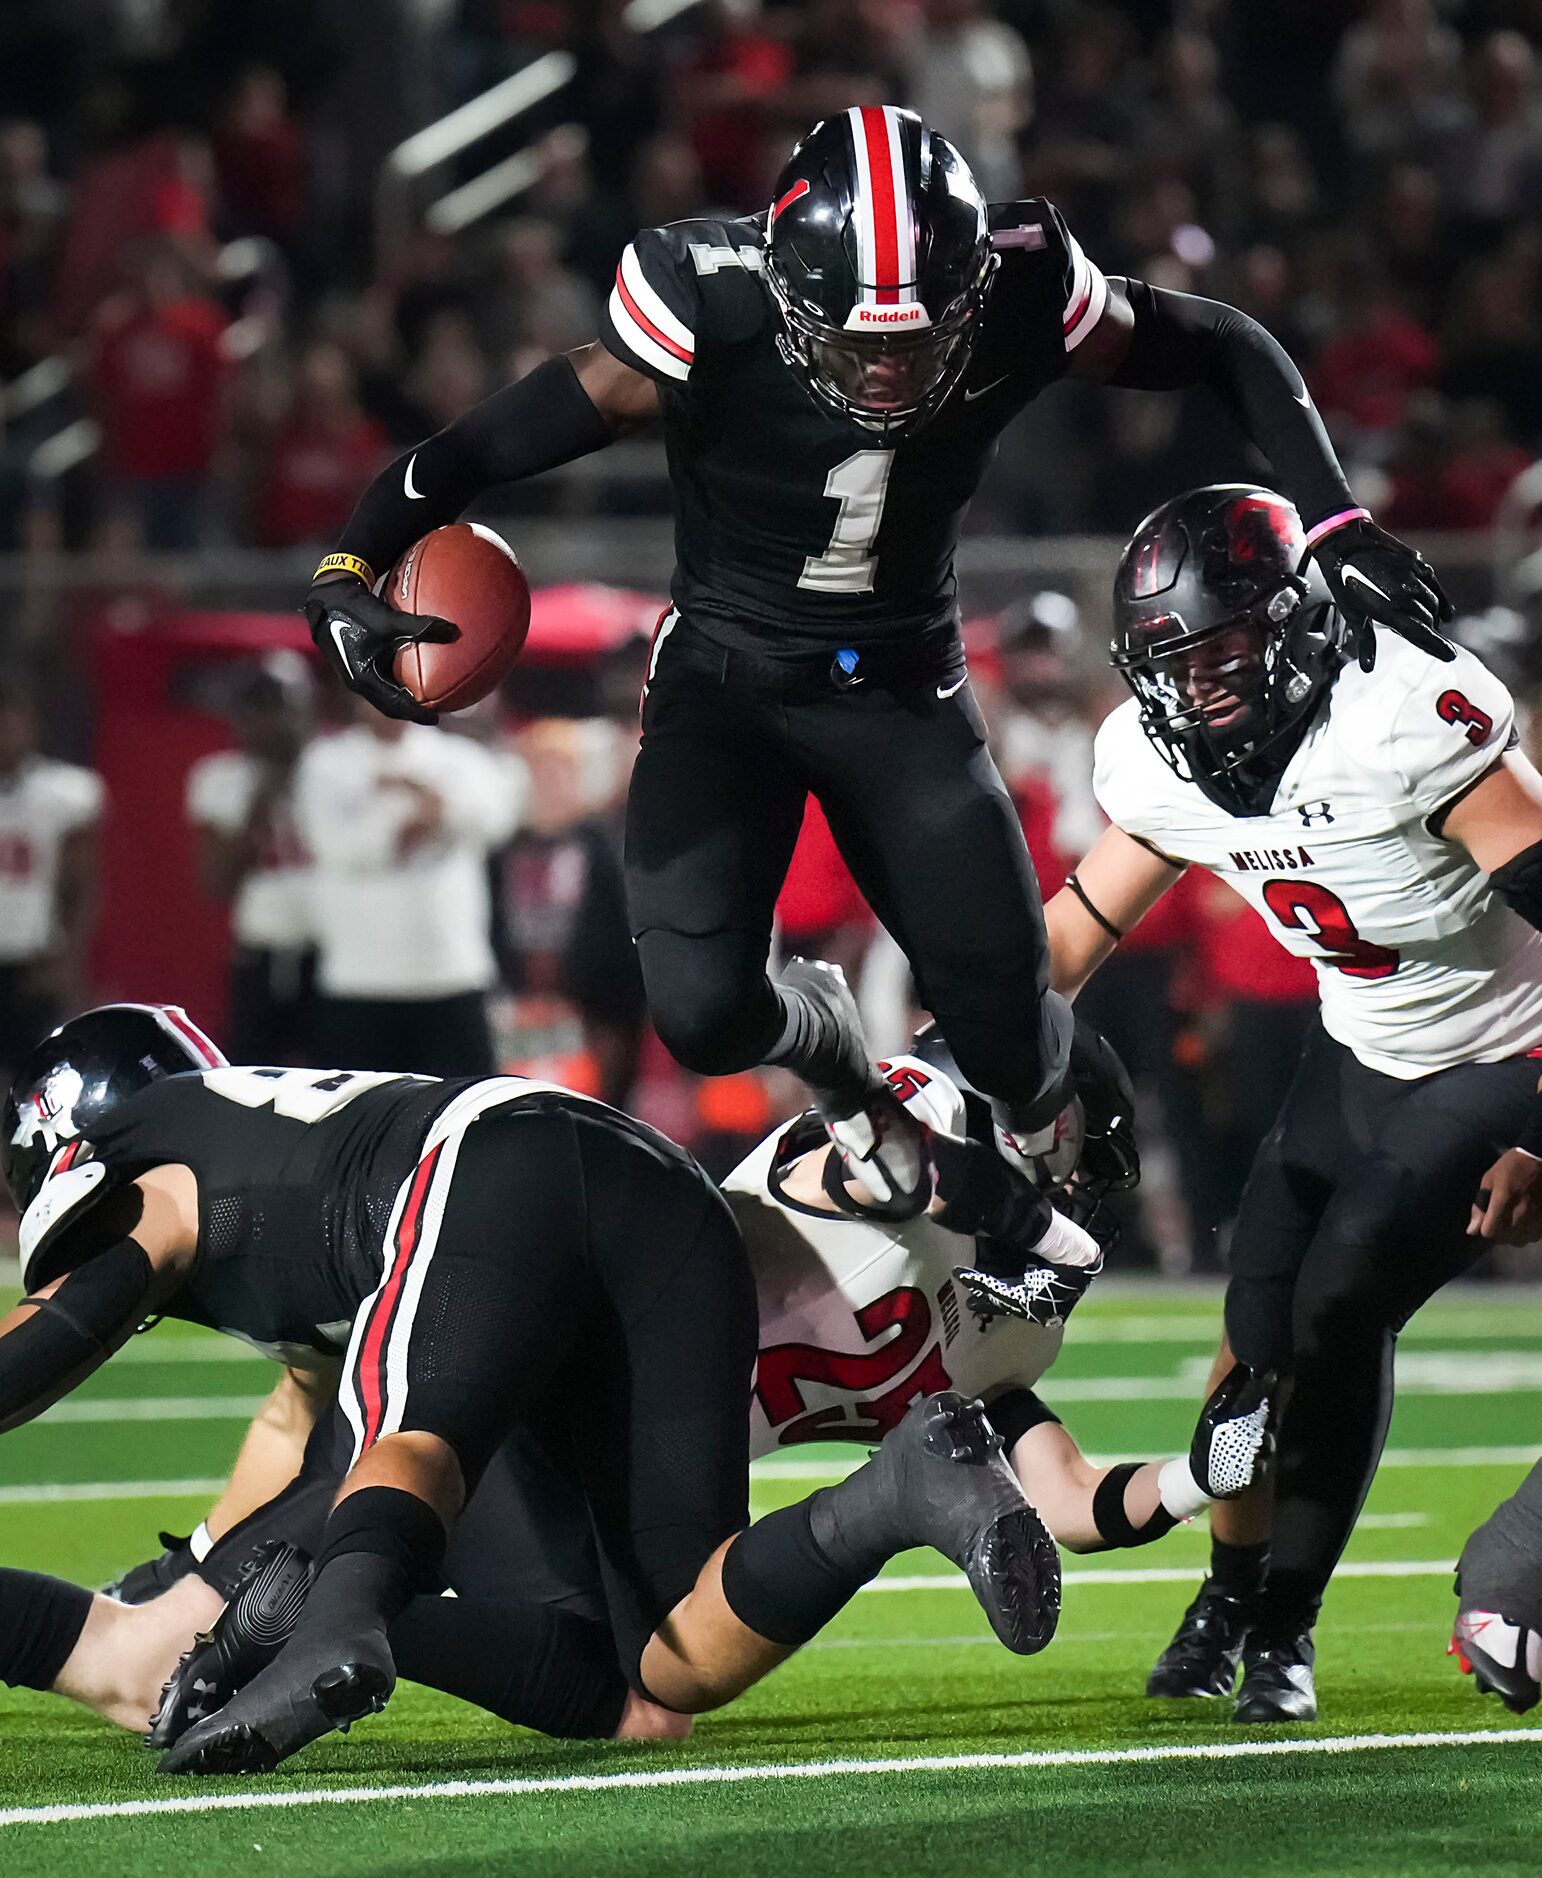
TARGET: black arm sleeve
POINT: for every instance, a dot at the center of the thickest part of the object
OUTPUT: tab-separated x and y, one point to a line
72	1332
540	422
1180	340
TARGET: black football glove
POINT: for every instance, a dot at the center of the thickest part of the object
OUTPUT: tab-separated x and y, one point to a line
1378	580
1042	1294
1234	1440
143	1582
359	636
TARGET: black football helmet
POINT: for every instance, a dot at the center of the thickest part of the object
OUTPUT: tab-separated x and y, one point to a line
878	258
76	1075
1228	636
1109	1158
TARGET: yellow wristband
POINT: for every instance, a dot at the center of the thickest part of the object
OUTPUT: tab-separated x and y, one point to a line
346	564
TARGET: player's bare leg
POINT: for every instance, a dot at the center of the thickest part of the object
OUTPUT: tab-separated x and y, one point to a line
939	1479
383	1540
126	1652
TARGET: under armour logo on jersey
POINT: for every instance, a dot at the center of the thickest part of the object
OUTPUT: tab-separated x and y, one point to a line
1314	812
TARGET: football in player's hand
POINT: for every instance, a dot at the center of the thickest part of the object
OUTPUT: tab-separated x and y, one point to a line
470	576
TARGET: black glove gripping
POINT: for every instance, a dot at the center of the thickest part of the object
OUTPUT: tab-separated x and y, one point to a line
1234	1439
359	635
1378	580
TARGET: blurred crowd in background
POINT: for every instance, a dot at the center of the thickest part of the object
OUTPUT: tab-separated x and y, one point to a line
196	214
223	305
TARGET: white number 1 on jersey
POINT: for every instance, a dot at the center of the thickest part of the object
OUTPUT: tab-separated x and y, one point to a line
859	485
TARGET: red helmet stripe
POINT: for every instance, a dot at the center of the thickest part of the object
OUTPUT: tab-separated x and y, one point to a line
799	189
886	249
877	130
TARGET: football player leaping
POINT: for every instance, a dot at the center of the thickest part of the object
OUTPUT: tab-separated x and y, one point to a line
833	376
1389	831
860	1319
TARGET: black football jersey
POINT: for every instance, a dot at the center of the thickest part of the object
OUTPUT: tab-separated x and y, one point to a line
794	533
297	1173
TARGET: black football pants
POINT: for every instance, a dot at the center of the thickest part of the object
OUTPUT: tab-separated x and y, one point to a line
730	752
1354	1215
556	1271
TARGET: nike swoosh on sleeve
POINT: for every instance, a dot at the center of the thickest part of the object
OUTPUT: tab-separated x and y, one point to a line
947	691
970	396
413	495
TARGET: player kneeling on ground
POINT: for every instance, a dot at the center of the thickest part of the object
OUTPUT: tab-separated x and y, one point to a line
1498	1635
1388	830
529	1634
497	1256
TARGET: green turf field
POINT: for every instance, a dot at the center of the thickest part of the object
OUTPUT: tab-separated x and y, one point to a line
903	1741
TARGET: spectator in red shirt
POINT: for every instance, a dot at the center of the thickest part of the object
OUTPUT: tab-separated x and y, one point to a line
261	159
1378	357
324	453
158	376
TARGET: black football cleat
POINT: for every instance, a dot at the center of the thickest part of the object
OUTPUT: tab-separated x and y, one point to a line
256	1624
1503	1658
312	1687
1206	1648
943	1481
1277	1679
879	1141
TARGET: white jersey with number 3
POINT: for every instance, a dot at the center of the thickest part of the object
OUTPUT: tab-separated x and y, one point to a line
858	1319
1420	965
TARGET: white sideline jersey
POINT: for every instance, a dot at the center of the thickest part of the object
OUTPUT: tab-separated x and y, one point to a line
859	1318
1419	964
41	806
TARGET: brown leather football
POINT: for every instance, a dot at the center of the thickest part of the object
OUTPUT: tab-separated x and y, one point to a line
469	575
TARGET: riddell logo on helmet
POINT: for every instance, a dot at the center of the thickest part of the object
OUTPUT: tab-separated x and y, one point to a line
863	316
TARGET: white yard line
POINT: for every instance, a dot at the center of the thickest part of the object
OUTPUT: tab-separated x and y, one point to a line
780	1467
794	1770
1169	1575
1458	1326
44	1493
154	1408
1062	1638
51	1493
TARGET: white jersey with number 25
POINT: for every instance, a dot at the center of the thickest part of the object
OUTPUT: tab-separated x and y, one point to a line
1420	965
858	1318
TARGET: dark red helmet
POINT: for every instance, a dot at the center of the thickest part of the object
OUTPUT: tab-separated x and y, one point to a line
1228	637
878	257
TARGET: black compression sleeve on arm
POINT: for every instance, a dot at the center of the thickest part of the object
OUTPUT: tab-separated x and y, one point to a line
72	1331
1180	340
538	423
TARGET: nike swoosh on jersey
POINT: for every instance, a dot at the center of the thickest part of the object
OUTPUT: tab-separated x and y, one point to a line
970	396
947	691
413	495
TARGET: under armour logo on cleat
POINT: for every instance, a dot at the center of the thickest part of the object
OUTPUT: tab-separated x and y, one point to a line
1314	812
